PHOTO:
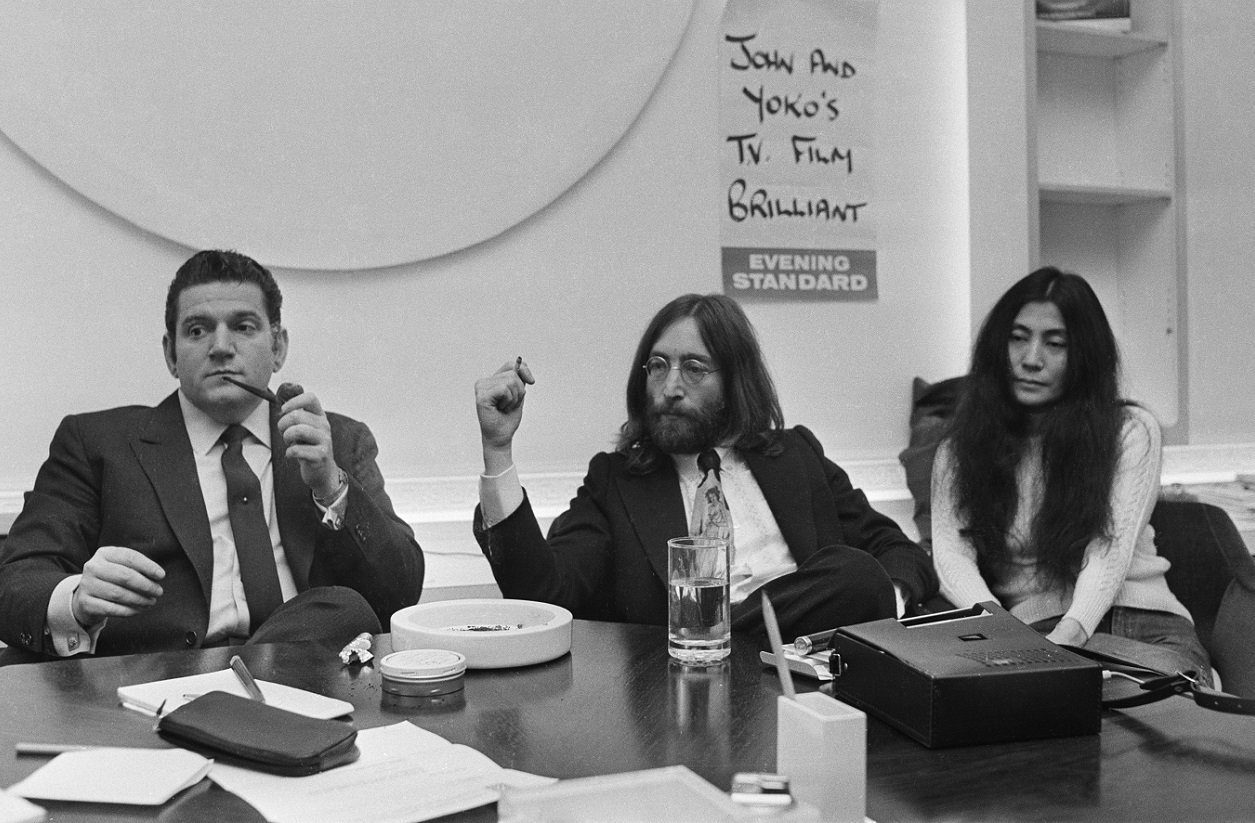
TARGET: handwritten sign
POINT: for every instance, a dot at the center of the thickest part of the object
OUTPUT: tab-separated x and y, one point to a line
798	210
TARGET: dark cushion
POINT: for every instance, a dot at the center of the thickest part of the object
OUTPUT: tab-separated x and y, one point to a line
932	407
1232	645
1194	537
1213	575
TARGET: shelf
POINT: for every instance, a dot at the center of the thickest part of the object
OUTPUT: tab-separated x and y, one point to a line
1064	38
1105	158
1100	195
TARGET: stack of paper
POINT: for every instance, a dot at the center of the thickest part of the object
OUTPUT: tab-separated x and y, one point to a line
405	774
141	777
147	697
668	793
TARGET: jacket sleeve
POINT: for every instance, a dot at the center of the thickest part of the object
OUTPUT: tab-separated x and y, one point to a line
878	535
52	538
569	568
374	551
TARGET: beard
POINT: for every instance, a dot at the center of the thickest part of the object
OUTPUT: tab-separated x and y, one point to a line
688	431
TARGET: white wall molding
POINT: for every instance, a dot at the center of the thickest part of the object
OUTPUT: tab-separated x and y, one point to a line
452	499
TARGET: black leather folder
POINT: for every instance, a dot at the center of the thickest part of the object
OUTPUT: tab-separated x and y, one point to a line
255	735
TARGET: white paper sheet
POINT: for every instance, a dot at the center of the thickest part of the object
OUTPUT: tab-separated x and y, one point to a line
142	777
14	809
146	697
404	774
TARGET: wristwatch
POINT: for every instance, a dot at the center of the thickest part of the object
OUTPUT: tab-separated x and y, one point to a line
342	485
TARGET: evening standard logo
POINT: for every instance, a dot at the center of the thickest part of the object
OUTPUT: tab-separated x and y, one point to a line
799	274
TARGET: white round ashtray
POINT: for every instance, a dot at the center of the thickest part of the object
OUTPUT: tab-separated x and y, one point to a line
490	633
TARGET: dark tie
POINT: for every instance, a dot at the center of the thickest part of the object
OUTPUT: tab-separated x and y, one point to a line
711	517
248	525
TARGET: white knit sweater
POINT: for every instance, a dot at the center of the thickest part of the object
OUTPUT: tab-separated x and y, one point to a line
1122	571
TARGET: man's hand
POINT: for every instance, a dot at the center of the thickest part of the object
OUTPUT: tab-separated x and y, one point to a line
1068	632
117	582
499	404
307	436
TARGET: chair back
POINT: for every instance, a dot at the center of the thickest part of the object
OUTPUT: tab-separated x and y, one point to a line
1213	575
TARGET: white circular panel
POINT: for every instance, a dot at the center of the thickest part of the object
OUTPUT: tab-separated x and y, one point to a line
329	135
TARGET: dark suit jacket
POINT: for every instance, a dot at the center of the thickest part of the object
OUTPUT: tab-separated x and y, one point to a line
127	477
606	556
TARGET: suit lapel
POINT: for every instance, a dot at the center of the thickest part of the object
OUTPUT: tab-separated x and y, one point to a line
296	527
164	452
783	481
656	510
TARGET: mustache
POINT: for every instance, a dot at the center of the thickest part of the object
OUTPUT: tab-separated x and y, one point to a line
676	429
659	414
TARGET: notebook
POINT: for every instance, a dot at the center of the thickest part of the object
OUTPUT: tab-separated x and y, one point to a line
137	777
148	697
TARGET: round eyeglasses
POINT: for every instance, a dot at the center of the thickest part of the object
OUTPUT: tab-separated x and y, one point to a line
692	372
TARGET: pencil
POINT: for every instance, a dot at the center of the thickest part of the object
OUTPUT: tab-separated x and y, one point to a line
777	649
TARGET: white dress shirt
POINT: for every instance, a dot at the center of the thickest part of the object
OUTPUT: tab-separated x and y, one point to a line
759	551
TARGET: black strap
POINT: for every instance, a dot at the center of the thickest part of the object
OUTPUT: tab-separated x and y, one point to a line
1159	685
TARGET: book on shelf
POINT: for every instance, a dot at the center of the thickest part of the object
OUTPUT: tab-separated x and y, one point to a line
1103	15
1118	25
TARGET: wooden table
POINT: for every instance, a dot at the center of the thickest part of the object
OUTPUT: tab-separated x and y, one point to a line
617	703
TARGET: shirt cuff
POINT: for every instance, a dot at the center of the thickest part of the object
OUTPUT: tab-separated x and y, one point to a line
499	495
67	636
899	595
333	513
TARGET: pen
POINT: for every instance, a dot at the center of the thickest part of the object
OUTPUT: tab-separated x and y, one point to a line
48	749
808	643
777	649
246	678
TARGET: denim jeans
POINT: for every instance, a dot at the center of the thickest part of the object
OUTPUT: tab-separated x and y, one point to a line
1160	640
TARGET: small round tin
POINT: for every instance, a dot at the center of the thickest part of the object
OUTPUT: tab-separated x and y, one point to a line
422	672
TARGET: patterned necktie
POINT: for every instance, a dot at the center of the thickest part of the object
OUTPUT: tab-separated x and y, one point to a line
711	517
248	525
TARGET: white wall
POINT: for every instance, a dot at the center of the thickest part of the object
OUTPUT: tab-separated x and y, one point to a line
570	288
1218	73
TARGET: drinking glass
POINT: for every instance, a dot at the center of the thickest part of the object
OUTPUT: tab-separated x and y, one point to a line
699	624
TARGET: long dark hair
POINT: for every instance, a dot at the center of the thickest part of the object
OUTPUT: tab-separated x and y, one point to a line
1079	433
753	419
